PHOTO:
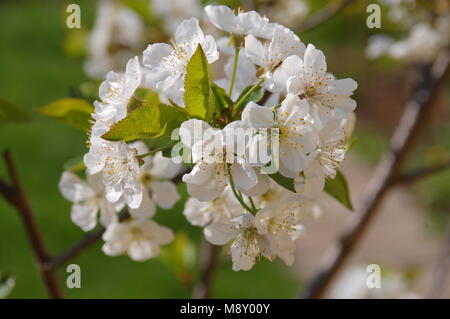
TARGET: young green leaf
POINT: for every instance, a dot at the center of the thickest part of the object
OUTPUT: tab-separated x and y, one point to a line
147	121
143	122
74	112
196	86
222	100
11	113
255	96
284	181
338	188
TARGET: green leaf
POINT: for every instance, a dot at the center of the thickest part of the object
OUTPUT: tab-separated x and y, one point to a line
147	121
142	97
7	283
338	189
12	113
72	111
222	99
284	181
196	86
75	164
142	122
254	96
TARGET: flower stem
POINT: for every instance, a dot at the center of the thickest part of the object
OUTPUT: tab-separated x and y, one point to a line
238	104
233	74
239	197
252	203
156	150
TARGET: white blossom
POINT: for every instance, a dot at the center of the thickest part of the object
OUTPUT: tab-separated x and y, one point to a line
246	244
307	79
154	177
88	198
326	158
117	34
139	239
296	135
214	160
245	75
242	23
269	55
222	208
166	64
173	12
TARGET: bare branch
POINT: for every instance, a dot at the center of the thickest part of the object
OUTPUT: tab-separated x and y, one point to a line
417	110
15	195
79	246
209	265
324	14
421	173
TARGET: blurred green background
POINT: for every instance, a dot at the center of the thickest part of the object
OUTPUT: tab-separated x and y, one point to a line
36	70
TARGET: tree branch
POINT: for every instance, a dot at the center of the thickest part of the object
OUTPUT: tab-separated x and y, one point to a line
417	110
421	173
324	14
15	195
208	268
79	246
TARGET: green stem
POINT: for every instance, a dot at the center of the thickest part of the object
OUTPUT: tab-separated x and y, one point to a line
237	105
156	150
233	74
252	203
236	194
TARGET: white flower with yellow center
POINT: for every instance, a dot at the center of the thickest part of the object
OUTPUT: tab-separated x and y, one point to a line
166	64
242	23
88	198
326	158
115	93
154	176
279	221
246	243
269	55
139	239
223	207
296	135
307	79
215	157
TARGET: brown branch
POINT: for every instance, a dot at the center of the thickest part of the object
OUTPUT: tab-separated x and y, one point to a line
417	110
421	173
15	195
79	246
324	14
208	268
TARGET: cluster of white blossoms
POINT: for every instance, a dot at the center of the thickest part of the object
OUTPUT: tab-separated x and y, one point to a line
428	34
243	158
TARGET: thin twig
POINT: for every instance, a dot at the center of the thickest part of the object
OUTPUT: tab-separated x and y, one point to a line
79	246
15	195
324	14
421	173
416	111
208	269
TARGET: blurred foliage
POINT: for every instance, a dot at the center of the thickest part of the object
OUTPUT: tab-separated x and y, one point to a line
11	113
